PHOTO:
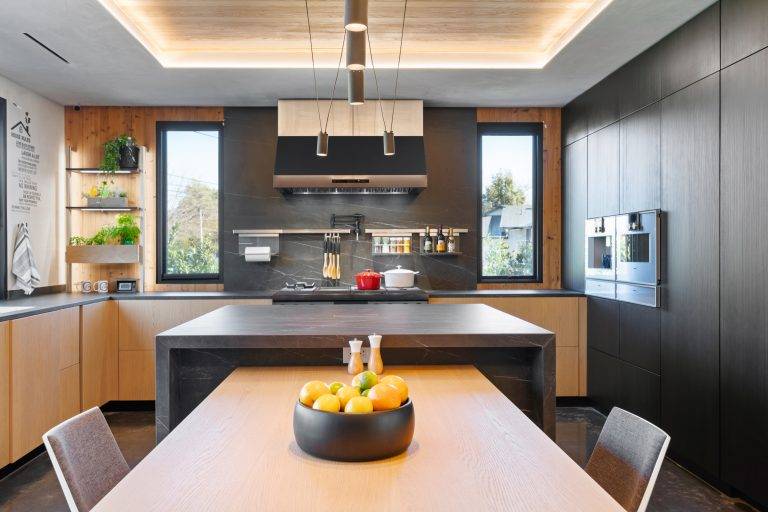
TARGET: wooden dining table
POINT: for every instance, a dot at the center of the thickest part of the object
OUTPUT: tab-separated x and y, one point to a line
472	450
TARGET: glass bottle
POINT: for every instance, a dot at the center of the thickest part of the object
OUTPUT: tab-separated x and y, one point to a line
355	365
451	241
427	241
440	240
375	363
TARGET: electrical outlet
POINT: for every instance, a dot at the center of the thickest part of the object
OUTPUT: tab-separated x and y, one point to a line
365	353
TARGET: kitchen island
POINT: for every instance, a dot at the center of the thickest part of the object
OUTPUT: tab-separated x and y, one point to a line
195	357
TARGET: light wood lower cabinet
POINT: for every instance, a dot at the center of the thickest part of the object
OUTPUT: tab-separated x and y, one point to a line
5	395
45	375
99	353
565	316
139	321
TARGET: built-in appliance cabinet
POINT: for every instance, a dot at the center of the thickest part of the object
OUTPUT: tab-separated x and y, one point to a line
603	172
574	213
744	276
5	394
300	118
45	375
640	160
565	316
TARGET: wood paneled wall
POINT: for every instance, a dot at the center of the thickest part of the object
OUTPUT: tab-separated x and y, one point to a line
86	131
552	215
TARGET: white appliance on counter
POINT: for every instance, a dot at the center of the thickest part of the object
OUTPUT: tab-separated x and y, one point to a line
622	257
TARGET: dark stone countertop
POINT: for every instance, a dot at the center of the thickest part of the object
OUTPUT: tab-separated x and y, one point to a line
504	293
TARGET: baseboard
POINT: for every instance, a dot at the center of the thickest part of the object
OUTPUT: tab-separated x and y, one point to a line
128	405
13	466
574	401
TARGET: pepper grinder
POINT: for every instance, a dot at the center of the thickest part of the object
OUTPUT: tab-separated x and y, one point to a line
355	365
375	363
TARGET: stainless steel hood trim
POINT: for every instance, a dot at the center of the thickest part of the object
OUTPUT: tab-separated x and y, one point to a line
347	181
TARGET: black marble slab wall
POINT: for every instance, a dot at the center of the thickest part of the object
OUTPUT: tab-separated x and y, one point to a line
248	201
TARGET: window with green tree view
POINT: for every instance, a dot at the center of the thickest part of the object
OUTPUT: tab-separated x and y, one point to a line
188	201
510	158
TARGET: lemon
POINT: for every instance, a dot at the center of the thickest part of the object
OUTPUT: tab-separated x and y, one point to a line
359	405
329	403
346	393
365	380
335	386
398	383
311	390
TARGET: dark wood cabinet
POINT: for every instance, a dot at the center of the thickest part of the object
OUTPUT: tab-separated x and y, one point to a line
640	156
691	52
603	380
574	121
574	213
602	104
639	336
744	28
639	392
603	325
689	320
744	276
639	81
603	172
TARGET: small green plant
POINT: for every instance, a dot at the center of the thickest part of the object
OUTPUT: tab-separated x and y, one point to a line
111	160
125	231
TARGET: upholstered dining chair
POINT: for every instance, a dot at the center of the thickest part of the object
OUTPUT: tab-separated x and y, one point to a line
627	458
86	458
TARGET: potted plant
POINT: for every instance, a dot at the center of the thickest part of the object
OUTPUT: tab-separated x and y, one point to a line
105	195
120	153
115	243
126	230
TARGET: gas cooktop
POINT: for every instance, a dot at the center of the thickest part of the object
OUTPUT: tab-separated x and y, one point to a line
310	292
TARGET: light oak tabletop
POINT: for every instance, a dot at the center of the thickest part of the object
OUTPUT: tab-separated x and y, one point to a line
473	449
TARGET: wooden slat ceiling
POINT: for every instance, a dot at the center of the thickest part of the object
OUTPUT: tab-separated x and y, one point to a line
273	33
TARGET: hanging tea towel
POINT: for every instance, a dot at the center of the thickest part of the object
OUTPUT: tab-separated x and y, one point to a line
27	276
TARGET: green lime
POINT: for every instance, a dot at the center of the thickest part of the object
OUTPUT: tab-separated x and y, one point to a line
335	386
365	393
366	380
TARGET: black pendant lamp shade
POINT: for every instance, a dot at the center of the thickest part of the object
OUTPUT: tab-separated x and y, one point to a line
322	144
356	87
389	143
356	15
356	50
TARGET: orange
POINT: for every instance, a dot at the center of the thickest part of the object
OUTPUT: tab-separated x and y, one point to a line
384	397
399	383
329	403
346	393
359	405
311	390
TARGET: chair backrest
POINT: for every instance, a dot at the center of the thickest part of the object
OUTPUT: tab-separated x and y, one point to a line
627	458
86	458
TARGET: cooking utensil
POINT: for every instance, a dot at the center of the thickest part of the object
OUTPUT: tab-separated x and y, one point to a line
325	256
399	278
368	280
338	257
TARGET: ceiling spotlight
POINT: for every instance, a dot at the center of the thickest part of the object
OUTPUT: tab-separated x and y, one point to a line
356	15
356	50
356	87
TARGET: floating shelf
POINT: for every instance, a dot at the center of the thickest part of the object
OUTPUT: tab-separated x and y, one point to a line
104	254
410	231
95	170
105	208
441	253
377	254
292	231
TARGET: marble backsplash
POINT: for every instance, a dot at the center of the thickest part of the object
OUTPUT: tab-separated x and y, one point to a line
248	201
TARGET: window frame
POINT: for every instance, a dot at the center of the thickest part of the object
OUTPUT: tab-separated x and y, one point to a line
162	127
537	131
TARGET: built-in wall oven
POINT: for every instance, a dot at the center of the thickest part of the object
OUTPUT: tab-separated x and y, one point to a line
622	257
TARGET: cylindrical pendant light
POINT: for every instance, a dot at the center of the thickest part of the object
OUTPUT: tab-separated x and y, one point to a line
355	50
356	87
322	144
356	15
389	143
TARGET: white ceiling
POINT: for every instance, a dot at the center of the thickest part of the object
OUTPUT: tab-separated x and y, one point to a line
107	66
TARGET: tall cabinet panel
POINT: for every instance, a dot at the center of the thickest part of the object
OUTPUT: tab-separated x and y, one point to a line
689	319
744	28
744	276
574	213
603	172
640	160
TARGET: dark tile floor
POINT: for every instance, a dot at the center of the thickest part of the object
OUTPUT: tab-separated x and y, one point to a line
34	487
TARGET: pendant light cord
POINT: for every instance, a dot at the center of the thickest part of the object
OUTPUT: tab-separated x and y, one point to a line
333	91
397	73
376	78
314	72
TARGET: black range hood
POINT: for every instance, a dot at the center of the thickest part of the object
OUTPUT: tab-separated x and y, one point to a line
354	165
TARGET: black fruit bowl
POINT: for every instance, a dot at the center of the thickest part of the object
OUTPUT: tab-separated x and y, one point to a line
354	437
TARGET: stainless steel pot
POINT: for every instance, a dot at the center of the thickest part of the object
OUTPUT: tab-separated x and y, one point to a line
399	278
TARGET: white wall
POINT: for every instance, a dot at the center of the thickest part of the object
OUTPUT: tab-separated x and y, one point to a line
35	169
